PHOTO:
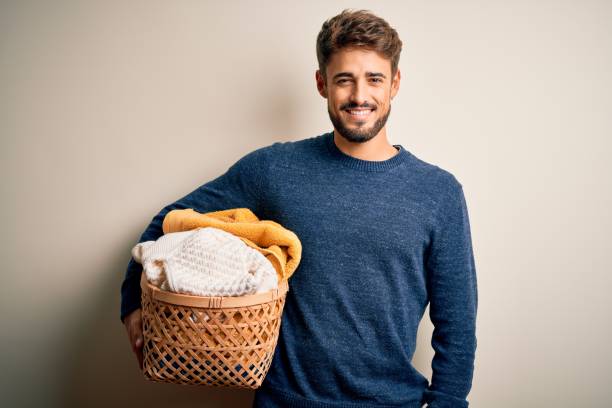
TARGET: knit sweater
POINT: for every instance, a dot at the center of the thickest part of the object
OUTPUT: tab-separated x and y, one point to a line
381	240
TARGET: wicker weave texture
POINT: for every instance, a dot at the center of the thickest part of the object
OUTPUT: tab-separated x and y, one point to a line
215	346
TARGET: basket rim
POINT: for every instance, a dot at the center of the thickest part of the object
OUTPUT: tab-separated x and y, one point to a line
215	302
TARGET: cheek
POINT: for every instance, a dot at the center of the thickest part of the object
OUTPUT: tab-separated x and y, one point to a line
339	97
382	97
382	103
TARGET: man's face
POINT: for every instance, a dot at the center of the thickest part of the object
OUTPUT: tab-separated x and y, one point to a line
359	89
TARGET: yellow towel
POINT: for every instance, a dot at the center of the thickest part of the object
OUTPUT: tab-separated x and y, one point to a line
279	245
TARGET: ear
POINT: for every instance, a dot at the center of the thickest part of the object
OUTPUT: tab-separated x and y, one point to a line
395	83
321	85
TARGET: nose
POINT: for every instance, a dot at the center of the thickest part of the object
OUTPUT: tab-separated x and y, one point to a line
359	93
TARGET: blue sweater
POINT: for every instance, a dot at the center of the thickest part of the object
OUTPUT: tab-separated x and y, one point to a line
381	240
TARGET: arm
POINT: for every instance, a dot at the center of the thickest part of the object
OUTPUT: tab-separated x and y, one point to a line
452	288
238	187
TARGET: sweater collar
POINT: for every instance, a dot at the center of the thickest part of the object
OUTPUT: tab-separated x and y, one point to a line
364	165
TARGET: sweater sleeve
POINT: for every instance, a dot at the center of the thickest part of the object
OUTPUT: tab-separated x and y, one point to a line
239	187
452	288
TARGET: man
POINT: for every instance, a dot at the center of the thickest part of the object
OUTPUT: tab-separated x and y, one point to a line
383	234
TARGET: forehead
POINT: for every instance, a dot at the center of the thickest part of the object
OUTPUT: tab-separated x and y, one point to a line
358	61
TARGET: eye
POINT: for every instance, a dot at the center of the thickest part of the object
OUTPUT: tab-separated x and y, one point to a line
340	81
377	80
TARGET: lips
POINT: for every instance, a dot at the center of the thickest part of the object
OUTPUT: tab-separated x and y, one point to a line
359	113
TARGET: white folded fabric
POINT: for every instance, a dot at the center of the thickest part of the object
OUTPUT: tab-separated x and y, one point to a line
205	261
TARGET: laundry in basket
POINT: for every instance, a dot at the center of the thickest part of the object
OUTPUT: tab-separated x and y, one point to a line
229	337
206	261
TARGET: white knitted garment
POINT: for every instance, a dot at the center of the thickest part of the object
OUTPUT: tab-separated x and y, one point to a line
206	262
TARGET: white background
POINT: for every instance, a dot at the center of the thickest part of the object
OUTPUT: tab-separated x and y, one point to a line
110	110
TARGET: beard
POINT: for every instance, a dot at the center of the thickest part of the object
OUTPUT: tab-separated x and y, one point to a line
359	135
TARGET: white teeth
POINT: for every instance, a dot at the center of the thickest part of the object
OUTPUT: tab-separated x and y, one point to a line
359	112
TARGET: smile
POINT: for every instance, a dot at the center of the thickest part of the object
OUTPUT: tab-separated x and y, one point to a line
359	113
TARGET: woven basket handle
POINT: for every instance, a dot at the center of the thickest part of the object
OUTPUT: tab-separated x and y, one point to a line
212	301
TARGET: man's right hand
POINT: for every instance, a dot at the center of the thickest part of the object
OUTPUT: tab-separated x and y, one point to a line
133	325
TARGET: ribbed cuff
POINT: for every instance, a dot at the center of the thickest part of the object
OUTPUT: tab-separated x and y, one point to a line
436	399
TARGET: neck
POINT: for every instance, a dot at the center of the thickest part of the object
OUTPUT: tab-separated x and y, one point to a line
376	149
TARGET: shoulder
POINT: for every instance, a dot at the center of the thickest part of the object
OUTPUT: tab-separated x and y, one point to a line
284	152
437	179
284	146
262	154
438	184
288	146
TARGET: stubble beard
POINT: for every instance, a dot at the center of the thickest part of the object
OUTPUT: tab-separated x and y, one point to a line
358	135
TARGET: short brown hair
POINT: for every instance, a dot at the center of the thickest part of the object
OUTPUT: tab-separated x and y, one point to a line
357	28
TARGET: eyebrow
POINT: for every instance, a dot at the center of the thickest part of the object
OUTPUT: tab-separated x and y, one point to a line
350	75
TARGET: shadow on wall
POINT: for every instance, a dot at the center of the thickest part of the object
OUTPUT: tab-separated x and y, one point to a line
101	371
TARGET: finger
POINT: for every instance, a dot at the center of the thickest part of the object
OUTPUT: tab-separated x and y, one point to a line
136	325
137	344
137	331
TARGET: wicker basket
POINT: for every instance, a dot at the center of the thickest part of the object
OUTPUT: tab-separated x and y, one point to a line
225	341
